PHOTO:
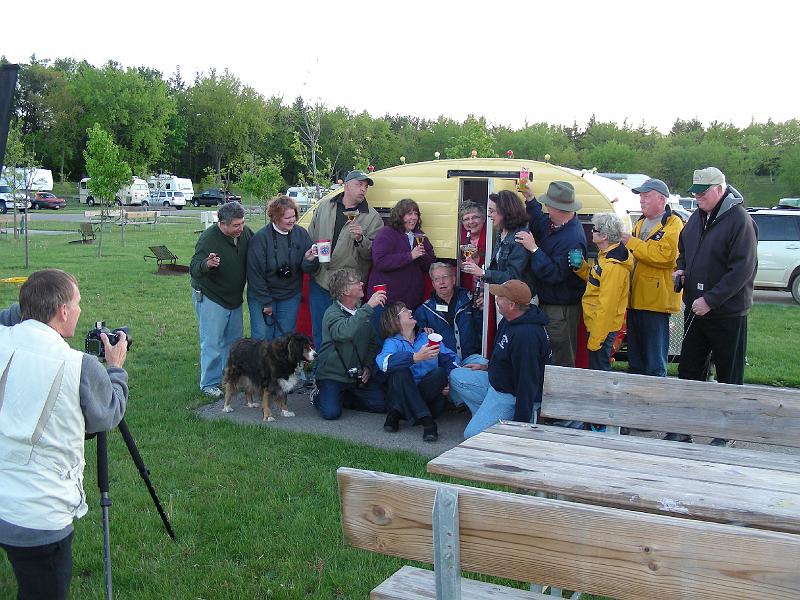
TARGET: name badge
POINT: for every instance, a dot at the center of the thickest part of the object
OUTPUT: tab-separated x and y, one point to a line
700	287
441	308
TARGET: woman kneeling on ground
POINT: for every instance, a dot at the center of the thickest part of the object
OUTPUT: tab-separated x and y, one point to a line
417	371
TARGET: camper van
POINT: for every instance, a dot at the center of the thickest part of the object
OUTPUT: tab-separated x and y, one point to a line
169	183
35	180
137	193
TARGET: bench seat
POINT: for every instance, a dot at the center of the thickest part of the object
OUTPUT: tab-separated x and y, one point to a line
411	583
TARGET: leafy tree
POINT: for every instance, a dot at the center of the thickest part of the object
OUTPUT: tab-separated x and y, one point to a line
18	173
262	181
612	156
107	170
474	136
789	174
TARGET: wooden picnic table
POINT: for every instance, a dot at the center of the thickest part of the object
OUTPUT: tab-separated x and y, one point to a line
729	485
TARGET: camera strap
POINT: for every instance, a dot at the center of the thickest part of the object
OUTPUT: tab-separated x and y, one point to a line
275	248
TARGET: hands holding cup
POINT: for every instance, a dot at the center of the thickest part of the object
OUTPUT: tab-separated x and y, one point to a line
378	297
575	258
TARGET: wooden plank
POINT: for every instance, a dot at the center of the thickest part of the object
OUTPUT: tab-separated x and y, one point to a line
411	583
611	552
767	459
741	412
691	489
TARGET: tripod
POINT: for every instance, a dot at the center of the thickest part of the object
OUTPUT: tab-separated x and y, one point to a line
105	501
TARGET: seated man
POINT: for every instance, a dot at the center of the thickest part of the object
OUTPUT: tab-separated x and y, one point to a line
450	313
510	387
349	346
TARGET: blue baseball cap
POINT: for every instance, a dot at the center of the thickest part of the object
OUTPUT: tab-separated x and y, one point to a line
653	184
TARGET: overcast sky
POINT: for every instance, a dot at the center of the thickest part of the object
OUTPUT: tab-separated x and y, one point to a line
512	62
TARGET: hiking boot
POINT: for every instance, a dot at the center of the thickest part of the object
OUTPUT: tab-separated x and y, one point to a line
430	433
392	423
678	437
722	443
213	391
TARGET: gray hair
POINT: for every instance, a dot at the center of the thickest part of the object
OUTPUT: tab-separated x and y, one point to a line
43	292
440	265
610	225
339	282
470	206
230	211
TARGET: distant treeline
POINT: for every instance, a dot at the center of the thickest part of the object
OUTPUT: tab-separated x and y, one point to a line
217	126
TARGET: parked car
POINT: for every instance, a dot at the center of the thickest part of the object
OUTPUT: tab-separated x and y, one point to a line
791	202
689	204
47	200
168	198
213	197
8	200
778	250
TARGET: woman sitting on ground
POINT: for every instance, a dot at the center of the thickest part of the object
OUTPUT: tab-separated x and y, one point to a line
417	372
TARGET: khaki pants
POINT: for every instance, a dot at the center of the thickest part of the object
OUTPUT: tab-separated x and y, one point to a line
563	331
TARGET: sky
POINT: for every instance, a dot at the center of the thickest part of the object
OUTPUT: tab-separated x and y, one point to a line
512	62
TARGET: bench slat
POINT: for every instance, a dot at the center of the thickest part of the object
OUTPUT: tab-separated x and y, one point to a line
741	412
617	553
411	583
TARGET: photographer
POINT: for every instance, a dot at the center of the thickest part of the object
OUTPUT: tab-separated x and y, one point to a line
53	395
277	257
349	347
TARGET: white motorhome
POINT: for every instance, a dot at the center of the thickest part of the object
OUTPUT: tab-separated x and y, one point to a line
169	183
35	180
137	193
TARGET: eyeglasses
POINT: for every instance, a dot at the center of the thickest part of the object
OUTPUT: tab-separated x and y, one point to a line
701	194
596	230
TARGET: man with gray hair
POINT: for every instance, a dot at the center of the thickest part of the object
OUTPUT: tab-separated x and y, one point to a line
219	274
717	264
654	246
607	287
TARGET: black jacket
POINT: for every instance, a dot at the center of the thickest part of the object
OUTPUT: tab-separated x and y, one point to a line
720	257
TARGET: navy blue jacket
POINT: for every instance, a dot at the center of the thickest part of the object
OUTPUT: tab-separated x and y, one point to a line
555	281
465	336
509	261
521	350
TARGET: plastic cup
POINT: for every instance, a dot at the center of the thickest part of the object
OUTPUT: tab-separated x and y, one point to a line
381	287
434	339
575	257
323	249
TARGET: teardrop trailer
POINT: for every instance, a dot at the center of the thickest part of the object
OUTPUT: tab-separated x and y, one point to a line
440	186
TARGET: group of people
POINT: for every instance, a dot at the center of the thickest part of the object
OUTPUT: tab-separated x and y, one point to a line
385	347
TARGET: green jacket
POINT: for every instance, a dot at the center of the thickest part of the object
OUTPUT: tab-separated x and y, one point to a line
225	284
355	338
345	254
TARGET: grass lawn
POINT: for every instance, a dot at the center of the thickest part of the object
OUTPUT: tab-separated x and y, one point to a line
255	509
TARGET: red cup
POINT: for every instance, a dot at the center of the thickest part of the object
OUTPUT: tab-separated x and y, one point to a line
381	287
434	339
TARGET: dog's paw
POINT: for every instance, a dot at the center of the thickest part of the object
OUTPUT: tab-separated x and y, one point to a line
254	405
269	419
227	409
287	413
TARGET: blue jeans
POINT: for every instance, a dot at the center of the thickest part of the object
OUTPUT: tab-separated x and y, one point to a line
600	360
318	302
42	571
284	314
648	342
219	329
334	395
487	405
476	359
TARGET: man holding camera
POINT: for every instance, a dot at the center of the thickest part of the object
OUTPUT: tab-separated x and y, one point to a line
51	396
219	273
349	347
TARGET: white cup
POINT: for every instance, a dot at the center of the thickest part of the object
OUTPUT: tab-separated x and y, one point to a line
323	250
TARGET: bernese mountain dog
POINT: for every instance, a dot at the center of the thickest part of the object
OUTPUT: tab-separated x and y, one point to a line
266	370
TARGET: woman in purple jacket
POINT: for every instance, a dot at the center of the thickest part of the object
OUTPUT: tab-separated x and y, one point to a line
401	256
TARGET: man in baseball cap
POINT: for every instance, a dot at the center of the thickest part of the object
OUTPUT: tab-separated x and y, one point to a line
358	176
654	245
510	386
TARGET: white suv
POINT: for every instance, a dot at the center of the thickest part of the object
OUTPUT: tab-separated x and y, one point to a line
778	250
7	201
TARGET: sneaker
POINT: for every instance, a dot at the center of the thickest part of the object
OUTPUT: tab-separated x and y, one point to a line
213	391
678	437
392	423
720	442
430	433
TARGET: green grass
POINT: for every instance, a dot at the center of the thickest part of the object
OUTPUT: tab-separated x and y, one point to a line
255	509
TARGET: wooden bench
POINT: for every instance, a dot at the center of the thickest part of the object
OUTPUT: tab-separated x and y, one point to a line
604	551
138	218
751	413
95	216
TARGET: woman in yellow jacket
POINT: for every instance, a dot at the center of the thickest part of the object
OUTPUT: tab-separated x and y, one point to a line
608	283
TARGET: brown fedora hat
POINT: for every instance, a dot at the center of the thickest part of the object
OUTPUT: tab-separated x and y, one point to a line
561	195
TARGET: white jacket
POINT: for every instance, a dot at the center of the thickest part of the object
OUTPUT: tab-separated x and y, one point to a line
41	428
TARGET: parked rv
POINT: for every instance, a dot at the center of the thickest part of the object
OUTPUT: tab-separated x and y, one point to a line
135	194
169	183
35	180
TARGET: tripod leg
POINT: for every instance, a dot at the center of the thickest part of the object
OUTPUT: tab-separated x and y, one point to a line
105	503
144	473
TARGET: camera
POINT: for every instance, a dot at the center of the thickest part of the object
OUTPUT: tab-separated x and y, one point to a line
354	374
284	271
94	344
677	283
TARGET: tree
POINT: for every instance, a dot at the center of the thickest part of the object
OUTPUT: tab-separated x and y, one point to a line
107	170
474	136
262	180
789	174
18	173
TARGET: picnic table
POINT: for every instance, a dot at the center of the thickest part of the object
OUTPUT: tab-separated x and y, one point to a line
728	485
